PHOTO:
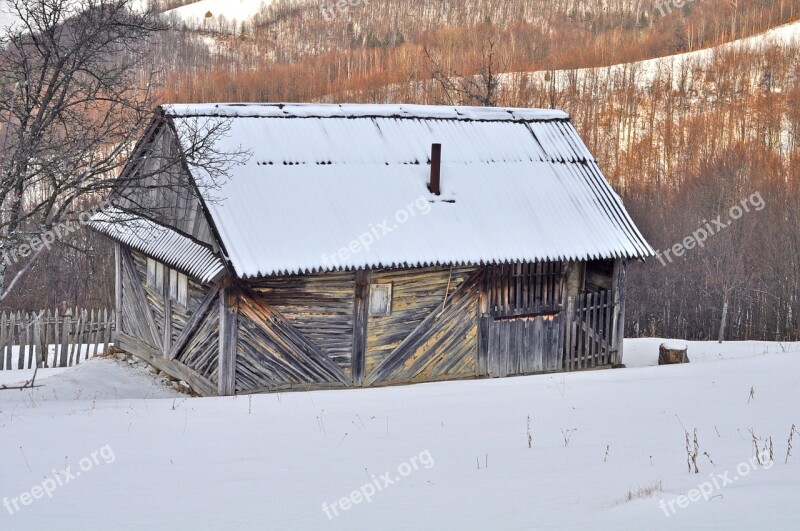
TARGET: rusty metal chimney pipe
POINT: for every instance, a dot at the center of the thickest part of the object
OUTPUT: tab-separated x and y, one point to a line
436	169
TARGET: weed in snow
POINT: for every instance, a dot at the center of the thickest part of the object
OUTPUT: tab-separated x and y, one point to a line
568	435
644	492
530	437
792	431
692	451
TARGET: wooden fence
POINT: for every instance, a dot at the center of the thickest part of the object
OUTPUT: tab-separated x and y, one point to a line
588	331
66	337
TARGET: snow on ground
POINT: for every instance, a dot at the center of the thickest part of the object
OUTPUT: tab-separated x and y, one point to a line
195	14
644	352
449	455
97	379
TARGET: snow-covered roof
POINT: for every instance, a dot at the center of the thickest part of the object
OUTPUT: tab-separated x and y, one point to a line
159	242
345	186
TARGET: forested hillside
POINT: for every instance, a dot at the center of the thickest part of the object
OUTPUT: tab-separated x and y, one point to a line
682	143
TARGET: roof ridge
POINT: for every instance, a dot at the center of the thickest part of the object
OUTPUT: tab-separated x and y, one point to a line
357	110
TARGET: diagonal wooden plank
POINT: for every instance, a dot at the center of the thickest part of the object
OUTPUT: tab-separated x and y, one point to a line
140	299
292	350
446	351
408	346
295	343
461	316
194	322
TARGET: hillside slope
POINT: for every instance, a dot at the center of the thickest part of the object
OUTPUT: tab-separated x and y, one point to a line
644	72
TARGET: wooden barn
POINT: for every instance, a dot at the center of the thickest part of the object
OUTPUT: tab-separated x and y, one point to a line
369	245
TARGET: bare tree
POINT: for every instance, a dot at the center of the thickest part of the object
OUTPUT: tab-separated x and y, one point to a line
481	89
76	93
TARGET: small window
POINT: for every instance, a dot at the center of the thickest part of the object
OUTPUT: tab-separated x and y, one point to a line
155	275
380	299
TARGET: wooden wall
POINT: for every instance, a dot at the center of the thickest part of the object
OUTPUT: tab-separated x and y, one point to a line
418	340
415	294
158	187
320	307
273	354
189	350
298	332
523	345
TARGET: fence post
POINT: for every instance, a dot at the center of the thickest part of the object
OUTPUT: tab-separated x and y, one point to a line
63	355
41	347
5	358
569	315
618	327
23	328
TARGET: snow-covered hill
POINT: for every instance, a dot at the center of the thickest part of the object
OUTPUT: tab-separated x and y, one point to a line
197	16
607	450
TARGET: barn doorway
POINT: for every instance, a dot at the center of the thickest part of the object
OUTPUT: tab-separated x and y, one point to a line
523	325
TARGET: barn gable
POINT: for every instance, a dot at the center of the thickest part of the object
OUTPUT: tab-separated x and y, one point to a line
156	185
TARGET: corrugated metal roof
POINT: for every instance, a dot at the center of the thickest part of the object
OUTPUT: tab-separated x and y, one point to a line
159	242
517	185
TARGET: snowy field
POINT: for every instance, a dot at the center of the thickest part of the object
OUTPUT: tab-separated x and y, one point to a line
607	451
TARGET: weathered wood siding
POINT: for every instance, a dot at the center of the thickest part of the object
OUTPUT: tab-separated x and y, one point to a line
416	294
192	354
136	313
524	345
273	354
181	314
298	331
588	331
155	300
521	330
428	336
315	331
163	192
320	307
201	352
